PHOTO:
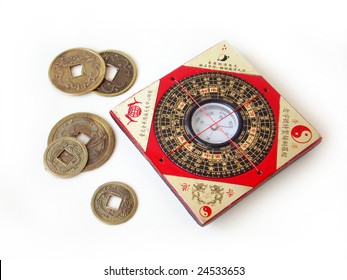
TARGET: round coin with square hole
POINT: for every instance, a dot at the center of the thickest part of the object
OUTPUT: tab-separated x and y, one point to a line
120	73
92	130
65	157
77	71
106	210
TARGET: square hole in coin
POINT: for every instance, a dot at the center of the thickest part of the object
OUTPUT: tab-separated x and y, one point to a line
83	137
114	202
111	72
77	70
65	157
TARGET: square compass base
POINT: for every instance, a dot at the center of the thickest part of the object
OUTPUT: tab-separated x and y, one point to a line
214	129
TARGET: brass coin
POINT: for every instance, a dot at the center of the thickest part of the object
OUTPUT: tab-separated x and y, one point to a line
108	213
125	73
77	71
93	130
65	157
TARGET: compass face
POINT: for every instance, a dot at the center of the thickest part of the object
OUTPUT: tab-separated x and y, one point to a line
214	125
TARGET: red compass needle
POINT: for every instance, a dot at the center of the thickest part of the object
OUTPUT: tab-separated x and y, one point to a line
214	124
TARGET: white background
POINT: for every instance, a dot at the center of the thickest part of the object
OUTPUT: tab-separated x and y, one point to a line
293	227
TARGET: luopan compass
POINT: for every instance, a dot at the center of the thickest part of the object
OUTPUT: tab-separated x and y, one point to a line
204	123
215	130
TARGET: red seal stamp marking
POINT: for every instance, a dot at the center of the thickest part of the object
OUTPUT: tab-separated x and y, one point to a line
134	111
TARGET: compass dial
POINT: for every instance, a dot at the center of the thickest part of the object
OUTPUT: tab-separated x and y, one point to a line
214	125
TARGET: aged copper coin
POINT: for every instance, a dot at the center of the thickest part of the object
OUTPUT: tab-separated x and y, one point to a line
77	71
114	214
65	157
124	77
94	132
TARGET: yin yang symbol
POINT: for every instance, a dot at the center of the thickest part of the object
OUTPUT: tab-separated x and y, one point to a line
301	134
205	211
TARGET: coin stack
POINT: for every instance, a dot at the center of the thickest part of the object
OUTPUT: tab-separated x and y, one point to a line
78	142
79	71
84	141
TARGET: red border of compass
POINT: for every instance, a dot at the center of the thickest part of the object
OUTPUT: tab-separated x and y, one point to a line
250	178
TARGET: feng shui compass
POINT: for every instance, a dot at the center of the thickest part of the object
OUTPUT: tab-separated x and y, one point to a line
207	113
214	129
